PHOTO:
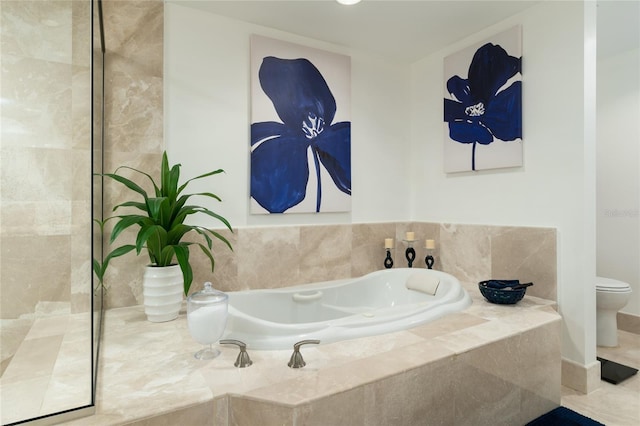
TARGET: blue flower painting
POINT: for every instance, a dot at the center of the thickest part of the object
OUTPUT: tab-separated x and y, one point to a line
487	105
305	140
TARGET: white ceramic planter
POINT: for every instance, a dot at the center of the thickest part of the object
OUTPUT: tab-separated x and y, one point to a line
162	289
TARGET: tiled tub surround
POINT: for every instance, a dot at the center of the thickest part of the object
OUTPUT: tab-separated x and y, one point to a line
488	365
270	257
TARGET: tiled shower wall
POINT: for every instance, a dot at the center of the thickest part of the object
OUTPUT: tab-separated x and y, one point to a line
272	257
45	184
134	34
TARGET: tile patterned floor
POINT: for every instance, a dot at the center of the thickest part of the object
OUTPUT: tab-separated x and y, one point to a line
50	371
613	405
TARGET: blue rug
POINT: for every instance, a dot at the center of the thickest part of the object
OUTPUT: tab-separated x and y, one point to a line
562	416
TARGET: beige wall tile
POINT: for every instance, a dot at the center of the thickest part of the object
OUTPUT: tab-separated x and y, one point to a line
540	379
44	277
344	408
527	254
81	108
412	398
325	252
225	274
81	33
443	326
39	111
465	251
305	254
628	322
248	412
37	29
269	257
123	280
200	414
367	247
135	29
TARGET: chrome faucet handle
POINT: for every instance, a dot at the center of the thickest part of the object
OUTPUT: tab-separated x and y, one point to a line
296	360
243	359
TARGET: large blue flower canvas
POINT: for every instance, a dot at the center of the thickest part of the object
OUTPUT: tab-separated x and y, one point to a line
300	129
483	105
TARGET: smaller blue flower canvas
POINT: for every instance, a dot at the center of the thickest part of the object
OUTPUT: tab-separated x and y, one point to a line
483	105
300	129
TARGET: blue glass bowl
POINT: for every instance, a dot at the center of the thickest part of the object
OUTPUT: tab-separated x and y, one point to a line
506	296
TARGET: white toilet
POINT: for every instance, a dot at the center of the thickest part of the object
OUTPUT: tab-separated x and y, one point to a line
611	296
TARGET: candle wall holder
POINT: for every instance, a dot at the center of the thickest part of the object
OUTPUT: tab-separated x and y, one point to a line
430	260
410	253
388	261
430	246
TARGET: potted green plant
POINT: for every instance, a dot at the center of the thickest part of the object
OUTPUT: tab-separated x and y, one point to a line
160	219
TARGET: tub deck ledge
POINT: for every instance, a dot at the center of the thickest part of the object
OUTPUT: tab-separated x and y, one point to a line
148	375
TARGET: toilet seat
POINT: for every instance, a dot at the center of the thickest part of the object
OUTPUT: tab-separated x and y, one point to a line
610	285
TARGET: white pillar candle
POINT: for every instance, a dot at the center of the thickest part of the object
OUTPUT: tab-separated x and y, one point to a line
430	244
388	243
411	236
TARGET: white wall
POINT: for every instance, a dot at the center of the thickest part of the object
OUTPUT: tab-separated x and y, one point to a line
618	171
549	190
397	139
207	104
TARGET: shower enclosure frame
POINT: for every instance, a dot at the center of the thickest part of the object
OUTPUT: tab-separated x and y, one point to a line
96	68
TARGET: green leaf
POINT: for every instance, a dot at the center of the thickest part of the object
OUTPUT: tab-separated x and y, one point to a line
207	194
144	235
165	214
156	244
221	238
176	233
128	183
207	252
136	204
166	256
142	173
204	232
124	223
217	216
180	202
97	269
184	185
100	269
154	205
182	254
169	178
184	212
117	253
172	188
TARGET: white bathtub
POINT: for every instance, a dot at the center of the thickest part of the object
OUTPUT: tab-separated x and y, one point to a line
331	311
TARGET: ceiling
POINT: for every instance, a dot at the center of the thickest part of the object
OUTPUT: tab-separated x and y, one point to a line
409	30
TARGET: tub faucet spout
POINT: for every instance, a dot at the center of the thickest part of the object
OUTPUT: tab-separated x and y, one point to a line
243	359
296	360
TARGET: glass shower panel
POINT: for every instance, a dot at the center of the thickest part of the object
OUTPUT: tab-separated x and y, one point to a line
46	303
97	130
